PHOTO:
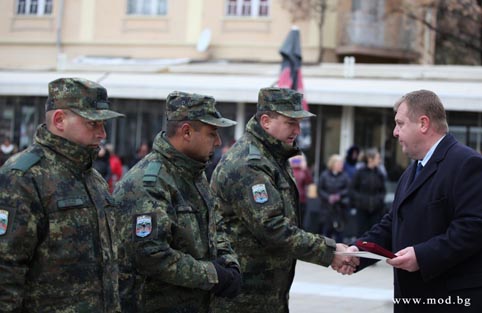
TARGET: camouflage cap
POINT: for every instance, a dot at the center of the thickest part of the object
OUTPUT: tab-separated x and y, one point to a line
182	106
285	101
83	97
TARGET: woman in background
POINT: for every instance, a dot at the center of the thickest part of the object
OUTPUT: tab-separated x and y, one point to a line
333	189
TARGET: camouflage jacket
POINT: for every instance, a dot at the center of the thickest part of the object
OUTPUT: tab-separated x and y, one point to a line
57	250
259	201
169	233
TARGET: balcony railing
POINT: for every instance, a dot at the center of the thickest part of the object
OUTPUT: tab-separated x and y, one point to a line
392	32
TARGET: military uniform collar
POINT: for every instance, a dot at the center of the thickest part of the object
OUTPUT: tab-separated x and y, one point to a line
80	156
180	160
280	150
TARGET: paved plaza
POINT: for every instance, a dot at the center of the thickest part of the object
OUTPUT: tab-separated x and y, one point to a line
318	289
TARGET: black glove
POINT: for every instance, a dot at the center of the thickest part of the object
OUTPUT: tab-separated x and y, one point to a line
229	278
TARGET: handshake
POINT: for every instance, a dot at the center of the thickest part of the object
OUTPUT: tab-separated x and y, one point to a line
343	264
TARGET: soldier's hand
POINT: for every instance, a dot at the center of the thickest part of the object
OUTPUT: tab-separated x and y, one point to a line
230	280
345	265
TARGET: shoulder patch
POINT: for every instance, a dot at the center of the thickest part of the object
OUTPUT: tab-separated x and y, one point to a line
151	172
3	222
145	226
25	161
260	194
254	153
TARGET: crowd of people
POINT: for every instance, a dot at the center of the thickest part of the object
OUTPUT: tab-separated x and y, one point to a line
163	238
350	196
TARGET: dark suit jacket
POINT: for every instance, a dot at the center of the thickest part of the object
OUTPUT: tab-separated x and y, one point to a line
440	215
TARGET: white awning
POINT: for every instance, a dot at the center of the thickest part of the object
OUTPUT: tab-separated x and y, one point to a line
242	85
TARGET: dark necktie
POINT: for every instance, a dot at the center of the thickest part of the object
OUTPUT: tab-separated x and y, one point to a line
417	171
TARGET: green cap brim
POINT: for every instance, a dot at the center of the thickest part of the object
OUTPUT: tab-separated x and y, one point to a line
296	114
97	115
219	122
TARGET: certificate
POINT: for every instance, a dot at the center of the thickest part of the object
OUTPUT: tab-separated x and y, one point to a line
370	250
363	254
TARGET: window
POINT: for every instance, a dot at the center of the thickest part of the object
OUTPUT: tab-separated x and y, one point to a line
373	8
248	8
146	7
34	7
263	8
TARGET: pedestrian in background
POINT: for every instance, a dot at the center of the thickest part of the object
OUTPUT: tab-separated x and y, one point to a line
116	168
259	201
173	257
333	189
303	179
143	149
57	226
102	163
7	149
351	161
367	191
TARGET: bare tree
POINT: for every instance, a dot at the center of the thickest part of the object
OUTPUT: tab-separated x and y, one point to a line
458	28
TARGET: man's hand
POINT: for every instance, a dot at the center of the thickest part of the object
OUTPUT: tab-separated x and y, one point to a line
406	260
345	265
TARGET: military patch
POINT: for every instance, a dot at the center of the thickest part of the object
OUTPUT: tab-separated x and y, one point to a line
143	226
260	194
3	222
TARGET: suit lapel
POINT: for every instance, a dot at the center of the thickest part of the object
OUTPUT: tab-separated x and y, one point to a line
423	176
429	170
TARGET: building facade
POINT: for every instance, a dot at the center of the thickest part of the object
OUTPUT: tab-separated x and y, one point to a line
51	34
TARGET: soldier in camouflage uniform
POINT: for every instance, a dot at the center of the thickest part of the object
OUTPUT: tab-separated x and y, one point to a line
259	201
175	258
57	251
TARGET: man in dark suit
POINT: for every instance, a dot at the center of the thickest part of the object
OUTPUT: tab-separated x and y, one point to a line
435	225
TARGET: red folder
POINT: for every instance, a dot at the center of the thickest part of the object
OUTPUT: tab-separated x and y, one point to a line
374	248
